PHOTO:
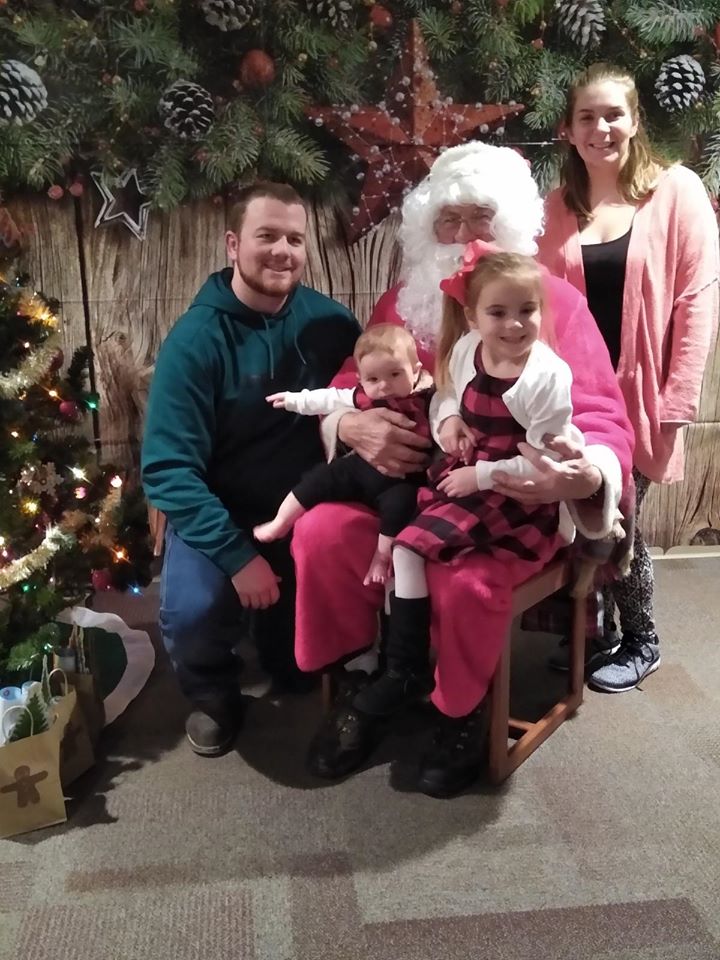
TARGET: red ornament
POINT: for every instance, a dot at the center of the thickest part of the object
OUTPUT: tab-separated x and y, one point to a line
257	69
101	580
400	142
140	6
380	17
57	361
56	192
456	8
538	43
76	189
69	410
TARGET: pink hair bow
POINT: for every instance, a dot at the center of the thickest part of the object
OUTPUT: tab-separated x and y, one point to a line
454	286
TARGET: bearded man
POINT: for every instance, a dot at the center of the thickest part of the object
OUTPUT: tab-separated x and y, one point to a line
218	459
474	191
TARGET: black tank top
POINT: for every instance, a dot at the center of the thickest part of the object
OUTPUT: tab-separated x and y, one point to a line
604	265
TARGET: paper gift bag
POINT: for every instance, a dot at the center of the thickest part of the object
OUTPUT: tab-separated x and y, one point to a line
30	792
82	679
76	751
90	703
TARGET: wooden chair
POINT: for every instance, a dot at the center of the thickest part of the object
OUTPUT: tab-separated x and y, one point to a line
528	735
504	758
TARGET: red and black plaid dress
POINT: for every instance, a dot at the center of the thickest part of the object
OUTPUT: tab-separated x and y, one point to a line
415	407
487	522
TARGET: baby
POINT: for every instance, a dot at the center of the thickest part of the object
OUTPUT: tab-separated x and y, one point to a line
390	376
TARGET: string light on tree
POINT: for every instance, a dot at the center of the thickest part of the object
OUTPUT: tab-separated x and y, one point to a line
54	489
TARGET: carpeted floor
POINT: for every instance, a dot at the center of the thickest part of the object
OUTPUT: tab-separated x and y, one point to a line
604	845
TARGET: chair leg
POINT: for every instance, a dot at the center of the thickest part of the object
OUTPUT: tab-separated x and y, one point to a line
578	644
505	758
328	691
500	718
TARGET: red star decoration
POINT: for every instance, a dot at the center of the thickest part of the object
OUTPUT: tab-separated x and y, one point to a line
400	140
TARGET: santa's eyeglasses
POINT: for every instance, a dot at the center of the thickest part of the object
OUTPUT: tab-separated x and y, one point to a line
475	223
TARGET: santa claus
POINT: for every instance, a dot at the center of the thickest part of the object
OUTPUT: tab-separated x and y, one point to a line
474	191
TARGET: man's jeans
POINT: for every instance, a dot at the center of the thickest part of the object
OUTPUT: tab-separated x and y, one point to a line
201	620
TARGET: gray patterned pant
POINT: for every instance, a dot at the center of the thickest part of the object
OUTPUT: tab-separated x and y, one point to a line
633	595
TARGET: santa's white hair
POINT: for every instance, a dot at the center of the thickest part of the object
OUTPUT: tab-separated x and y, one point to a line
473	173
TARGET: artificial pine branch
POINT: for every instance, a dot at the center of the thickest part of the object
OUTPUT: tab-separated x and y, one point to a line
292	155
232	146
166	176
525	11
669	22
710	164
154	41
440	32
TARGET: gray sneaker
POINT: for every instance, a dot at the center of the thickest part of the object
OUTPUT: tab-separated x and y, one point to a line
637	658
598	650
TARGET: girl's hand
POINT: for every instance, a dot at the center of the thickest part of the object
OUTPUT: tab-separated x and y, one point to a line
456	438
277	400
459	483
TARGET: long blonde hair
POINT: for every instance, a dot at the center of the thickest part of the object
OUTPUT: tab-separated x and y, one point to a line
491	267
638	175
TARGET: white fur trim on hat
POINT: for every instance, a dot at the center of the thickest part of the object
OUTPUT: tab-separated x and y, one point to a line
482	174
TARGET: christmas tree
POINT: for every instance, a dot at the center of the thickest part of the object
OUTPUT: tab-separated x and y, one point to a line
66	524
198	94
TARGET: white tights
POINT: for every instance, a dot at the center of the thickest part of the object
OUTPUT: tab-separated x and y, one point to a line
410	577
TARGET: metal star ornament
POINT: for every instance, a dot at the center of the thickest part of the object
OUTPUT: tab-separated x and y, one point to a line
123	202
400	137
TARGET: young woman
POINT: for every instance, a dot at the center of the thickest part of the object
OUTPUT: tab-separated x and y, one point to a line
639	238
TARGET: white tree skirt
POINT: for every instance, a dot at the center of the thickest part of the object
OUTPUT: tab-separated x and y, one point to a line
139	651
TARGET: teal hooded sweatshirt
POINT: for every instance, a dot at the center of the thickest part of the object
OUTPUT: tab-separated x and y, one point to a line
217	458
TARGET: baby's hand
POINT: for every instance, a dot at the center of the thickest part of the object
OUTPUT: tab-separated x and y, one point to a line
461	482
456	438
277	400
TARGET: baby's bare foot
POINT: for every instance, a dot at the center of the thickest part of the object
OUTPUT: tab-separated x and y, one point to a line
379	571
272	530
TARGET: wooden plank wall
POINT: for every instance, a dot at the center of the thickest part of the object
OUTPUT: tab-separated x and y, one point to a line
135	290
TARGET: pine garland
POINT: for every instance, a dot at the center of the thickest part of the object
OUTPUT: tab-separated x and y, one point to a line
105	67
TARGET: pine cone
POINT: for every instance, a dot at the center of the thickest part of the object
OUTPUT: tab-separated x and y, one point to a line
680	83
187	110
229	14
22	93
336	12
582	20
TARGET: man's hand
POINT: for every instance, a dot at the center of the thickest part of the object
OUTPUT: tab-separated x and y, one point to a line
277	400
456	438
573	478
460	482
256	585
385	438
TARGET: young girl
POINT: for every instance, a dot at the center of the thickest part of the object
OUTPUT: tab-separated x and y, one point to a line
499	384
390	376
639	238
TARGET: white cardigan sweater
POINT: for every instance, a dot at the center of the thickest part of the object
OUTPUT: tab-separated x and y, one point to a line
539	400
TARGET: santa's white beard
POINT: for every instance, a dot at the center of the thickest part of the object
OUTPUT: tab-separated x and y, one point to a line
420	300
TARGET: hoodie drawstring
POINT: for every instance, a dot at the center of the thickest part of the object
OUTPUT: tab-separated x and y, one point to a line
297	346
268	344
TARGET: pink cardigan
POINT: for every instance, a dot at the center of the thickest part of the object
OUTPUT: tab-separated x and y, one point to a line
670	309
